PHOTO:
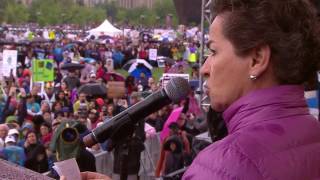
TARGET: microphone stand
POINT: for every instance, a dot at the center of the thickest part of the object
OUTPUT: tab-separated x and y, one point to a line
123	158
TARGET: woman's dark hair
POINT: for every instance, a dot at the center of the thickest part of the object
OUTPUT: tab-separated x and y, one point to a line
216	126
46	124
289	27
30	132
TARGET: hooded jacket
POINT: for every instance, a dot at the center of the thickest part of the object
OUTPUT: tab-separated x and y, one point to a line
271	136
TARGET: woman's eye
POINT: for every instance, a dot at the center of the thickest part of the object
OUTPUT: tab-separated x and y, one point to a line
212	52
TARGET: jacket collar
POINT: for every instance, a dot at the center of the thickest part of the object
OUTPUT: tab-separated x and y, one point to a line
265	104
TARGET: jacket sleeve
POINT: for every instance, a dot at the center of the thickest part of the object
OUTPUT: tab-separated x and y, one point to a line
222	163
22	111
5	109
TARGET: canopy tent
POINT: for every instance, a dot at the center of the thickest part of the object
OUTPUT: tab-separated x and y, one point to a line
106	28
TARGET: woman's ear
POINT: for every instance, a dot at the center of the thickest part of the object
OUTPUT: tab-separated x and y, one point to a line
260	60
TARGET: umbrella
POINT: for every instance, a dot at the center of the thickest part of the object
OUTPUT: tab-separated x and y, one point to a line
166	59
72	66
111	76
93	89
131	65
88	60
68	46
136	73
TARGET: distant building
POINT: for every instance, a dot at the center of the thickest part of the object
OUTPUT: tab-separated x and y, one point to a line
89	3
136	3
122	3
25	2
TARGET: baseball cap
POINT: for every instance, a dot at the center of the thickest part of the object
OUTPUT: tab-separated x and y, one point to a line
93	75
13	132
10	139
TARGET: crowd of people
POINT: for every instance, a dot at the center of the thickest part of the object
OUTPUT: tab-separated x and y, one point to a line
45	123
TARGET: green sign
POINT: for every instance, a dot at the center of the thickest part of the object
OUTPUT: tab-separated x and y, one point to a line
42	70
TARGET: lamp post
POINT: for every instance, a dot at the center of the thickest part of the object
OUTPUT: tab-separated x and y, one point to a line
62	17
141	19
158	19
38	14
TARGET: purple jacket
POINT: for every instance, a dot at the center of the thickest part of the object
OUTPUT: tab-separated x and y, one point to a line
271	136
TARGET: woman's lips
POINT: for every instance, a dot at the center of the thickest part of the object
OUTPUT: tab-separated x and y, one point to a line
206	88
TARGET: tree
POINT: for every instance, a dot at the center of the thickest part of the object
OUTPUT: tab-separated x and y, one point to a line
165	7
15	13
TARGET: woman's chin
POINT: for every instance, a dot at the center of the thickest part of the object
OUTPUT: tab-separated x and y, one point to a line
218	107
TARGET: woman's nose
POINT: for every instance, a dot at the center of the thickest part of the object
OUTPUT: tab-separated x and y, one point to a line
205	69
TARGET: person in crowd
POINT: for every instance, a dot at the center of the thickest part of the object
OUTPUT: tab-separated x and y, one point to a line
130	85
81	102
14	133
155	121
35	91
64	88
47	116
13	153
142	80
92	78
109	112
175	148
3	134
45	134
101	70
26	127
118	58
63	99
33	107
48	95
72	80
93	119
262	52
172	152
36	157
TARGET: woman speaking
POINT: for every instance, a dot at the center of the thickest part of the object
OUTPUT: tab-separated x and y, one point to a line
262	52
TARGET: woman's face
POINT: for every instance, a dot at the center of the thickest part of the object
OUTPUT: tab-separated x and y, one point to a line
110	110
63	86
45	107
58	107
227	74
44	130
3	132
61	95
32	139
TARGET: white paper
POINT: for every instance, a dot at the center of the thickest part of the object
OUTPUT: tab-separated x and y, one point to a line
68	168
9	62
153	53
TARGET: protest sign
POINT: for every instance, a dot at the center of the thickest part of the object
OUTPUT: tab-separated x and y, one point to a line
116	89
42	70
153	54
9	62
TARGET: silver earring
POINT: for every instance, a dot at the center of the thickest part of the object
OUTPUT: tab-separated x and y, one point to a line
253	77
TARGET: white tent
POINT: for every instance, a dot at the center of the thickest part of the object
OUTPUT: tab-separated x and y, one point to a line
106	28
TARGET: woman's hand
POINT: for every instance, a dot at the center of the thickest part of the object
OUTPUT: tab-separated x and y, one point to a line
93	175
90	176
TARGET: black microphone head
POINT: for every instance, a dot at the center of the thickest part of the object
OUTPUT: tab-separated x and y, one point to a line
177	89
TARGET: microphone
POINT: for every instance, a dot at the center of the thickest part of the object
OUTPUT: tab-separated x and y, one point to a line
120	125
